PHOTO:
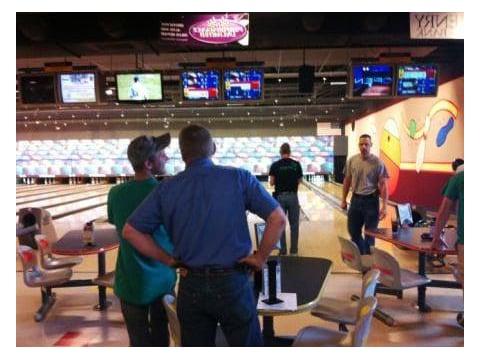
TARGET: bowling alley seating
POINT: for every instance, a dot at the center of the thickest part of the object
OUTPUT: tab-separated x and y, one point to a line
33	276
107	280
352	258
318	336
394	277
50	262
345	312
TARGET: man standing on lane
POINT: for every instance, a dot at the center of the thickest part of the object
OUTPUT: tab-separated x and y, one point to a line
285	174
204	211
367	175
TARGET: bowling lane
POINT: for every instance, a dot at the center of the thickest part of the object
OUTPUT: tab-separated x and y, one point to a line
57	210
25	189
91	191
59	194
48	190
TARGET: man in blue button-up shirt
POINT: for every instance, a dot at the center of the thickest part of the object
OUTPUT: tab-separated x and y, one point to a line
203	210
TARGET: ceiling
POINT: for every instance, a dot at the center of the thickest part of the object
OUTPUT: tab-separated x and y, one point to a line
279	43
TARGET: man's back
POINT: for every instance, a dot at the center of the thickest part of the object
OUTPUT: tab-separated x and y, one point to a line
203	209
287	172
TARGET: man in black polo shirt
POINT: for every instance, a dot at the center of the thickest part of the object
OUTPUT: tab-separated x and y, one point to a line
286	174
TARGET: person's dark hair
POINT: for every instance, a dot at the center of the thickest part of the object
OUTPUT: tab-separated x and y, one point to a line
456	163
135	78
195	142
285	149
365	136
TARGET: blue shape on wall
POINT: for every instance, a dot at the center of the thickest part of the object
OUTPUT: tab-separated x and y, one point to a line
444	131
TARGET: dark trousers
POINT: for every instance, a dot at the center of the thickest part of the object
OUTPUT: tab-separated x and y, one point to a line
291	207
364	210
204	300
147	325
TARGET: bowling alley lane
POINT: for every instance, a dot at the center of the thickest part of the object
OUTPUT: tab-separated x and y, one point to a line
48	190
59	195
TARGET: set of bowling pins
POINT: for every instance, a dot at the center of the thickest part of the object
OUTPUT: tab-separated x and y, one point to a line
121	179
49	181
96	180
315	179
75	180
28	181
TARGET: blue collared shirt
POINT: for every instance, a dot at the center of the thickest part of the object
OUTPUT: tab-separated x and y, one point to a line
203	210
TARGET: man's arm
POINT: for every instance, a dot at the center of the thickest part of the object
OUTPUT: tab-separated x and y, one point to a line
442	217
275	225
383	186
145	245
272	180
347	181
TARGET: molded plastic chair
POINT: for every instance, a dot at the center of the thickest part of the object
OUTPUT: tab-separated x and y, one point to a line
33	276
392	276
352	258
50	262
107	280
345	312
317	336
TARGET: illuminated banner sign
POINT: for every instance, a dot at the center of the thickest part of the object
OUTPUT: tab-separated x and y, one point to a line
214	29
436	26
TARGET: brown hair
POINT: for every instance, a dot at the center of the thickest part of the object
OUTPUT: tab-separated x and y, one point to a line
195	142
285	149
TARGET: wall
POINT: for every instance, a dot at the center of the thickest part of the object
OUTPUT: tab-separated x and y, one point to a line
402	132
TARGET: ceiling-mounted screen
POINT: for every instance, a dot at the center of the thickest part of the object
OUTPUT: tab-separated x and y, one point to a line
139	87
200	85
78	87
37	89
417	80
243	84
372	80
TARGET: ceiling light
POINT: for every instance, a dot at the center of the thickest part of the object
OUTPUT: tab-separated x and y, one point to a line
37	122
45	124
65	124
248	113
98	115
274	113
223	114
147	115
281	124
343	99
326	111
338	83
299	111
353	111
25	117
279	80
109	92
85	123
57	128
122	115
49	116
197	114
105	123
180	102
309	100
126	122
25	125
165	126
230	121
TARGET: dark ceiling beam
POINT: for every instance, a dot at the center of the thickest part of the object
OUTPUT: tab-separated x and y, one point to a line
68	50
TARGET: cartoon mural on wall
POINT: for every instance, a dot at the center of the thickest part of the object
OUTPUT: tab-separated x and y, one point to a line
422	133
390	153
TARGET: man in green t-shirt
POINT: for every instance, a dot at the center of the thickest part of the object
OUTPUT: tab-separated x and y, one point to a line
140	281
452	193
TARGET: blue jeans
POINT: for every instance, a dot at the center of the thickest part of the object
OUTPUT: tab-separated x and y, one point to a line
291	207
147	325
363	211
206	300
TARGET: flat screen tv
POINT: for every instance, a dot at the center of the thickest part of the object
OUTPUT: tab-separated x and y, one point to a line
243	84
200	85
139	87
78	87
417	80
372	80
37	89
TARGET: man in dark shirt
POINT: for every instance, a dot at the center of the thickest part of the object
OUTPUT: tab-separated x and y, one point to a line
203	210
286	174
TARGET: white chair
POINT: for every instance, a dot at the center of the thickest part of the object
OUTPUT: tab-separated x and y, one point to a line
50	262
352	258
394	277
345	312
318	336
33	276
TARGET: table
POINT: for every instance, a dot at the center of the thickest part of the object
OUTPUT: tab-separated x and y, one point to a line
72	244
410	238
305	276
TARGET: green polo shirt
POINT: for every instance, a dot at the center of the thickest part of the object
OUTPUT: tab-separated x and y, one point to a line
138	279
454	191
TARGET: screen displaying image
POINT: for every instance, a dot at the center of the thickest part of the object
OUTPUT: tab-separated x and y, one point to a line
37	89
139	87
200	85
404	214
373	80
243	84
78	87
417	80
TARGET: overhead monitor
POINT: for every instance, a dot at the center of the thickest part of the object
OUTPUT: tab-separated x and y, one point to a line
243	84
138	87
78	87
37	89
372	80
417	80
200	84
